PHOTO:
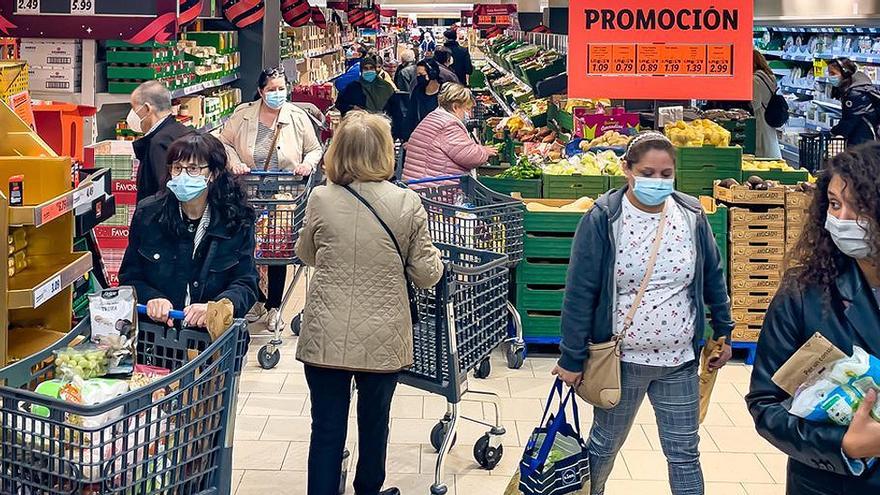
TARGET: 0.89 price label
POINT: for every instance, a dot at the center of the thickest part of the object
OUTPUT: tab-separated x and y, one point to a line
82	7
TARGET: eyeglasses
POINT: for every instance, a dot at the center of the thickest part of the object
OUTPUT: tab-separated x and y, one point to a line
191	170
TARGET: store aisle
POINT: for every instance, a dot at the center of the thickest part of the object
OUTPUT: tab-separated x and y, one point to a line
272	433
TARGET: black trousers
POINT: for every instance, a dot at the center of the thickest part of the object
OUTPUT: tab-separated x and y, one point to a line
330	391
276	279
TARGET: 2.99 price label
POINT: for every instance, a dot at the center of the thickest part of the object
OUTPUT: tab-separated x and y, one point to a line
23	7
82	7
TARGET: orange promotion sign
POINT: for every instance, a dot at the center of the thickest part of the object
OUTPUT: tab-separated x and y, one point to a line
674	50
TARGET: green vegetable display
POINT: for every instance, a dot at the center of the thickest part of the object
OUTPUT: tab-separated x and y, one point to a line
524	169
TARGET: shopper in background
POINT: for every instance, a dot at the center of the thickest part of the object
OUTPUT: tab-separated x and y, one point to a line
427	45
856	92
834	290
423	99
443	57
353	56
370	92
356	322
405	75
763	88
150	114
193	243
609	260
461	57
271	134
441	144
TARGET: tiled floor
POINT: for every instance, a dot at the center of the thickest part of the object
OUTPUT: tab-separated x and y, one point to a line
272	434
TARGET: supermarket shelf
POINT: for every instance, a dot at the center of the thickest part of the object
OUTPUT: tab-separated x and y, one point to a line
48	276
816	126
866	58
781	72
41	214
796	90
504	105
773	53
508	73
820	29
75	98
833	105
798	57
215	125
325	52
114	98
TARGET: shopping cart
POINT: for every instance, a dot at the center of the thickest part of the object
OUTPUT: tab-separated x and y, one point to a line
815	148
461	320
463	212
171	436
279	199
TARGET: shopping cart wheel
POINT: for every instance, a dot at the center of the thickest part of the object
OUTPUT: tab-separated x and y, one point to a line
296	324
516	356
487	456
268	357
483	369
438	433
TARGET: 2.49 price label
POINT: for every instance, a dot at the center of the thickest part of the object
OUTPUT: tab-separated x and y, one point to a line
24	7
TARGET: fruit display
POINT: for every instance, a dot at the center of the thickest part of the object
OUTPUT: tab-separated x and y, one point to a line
754	183
580	205
700	132
612	139
570	104
732	114
534	135
85	361
752	164
589	163
536	107
524	169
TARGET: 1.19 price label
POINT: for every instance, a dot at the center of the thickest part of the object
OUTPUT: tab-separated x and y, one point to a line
23	7
82	7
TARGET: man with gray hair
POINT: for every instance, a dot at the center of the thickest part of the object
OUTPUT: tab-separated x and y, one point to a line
405	76
150	114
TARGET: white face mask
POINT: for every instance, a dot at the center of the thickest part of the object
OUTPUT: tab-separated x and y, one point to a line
134	122
850	236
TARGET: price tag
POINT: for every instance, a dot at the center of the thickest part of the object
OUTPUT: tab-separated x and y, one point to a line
685	60
718	60
54	210
82	7
24	7
46	291
84	196
623	59
648	59
599	59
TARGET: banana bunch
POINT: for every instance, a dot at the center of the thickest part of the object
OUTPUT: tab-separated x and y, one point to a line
700	132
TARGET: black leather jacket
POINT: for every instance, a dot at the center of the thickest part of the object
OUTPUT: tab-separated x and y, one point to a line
859	115
851	317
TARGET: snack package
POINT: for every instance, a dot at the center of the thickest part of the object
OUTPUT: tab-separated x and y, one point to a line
113	315
834	395
84	361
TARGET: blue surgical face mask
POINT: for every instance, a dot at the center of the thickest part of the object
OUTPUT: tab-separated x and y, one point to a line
653	192
369	75
186	187
834	80
276	99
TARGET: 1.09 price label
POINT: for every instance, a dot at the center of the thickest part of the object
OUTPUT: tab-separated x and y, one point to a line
24	7
82	7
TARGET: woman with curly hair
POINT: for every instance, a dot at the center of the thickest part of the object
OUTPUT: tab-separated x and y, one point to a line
834	290
193	242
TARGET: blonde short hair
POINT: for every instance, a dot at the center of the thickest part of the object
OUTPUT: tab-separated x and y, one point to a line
362	150
452	93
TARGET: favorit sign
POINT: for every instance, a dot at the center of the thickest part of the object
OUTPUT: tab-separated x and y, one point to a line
670	50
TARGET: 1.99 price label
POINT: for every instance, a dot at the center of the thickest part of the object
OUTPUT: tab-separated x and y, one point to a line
82	7
23	7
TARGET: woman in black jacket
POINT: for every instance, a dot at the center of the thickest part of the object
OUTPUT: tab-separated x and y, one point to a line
835	290
423	99
370	92
193	243
856	92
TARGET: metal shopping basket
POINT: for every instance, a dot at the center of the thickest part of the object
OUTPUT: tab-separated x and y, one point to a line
279	199
814	148
463	212
461	320
173	436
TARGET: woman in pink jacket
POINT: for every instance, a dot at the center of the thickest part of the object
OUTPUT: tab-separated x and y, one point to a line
440	144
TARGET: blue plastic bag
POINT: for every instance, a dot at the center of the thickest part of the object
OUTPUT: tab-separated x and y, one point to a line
556	460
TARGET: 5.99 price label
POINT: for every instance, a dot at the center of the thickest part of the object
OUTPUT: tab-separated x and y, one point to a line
82	7
24	7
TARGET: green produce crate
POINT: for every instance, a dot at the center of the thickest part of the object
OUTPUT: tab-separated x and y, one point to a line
539	120
224	41
539	297
540	324
547	246
563	120
528	188
534	76
723	160
781	176
143	46
574	186
548	221
477	79
718	220
616	181
145	73
742	133
142	57
724	249
542	271
117	87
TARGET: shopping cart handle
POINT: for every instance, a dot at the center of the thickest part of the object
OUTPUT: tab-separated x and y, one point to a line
173	314
271	172
433	179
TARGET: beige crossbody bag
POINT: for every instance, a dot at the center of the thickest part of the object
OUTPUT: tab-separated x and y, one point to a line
601	383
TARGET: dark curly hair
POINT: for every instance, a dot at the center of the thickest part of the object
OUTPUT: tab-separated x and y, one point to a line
225	195
817	257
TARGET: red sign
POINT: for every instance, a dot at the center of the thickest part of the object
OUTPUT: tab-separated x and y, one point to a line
493	15
677	50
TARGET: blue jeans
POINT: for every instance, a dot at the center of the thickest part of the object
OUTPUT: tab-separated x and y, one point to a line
675	395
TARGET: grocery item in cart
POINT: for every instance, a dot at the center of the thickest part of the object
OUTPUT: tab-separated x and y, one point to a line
84	361
113	314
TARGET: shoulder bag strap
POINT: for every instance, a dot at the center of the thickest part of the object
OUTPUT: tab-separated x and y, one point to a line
272	147
384	226
627	322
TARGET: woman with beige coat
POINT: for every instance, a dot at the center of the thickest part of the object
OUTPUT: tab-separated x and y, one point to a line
356	322
271	134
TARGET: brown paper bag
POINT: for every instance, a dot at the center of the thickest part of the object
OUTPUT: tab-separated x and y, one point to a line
707	378
812	358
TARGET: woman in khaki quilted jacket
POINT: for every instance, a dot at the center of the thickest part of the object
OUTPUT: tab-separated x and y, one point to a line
356	323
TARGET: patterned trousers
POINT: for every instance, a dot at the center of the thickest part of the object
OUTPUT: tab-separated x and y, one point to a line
674	394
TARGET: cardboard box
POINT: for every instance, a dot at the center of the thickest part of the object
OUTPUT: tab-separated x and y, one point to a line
55	53
55	79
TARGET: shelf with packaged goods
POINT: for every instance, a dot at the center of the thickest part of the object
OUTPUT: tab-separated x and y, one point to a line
102	99
832	105
45	277
215	125
325	52
796	90
820	29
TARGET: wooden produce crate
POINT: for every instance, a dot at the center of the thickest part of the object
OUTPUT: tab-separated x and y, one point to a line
755	267
752	299
746	333
748	316
798	199
528	188
758	237
574	186
742	195
741	282
746	218
744	252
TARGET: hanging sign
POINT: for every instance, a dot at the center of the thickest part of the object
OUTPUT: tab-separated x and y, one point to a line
496	15
677	50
